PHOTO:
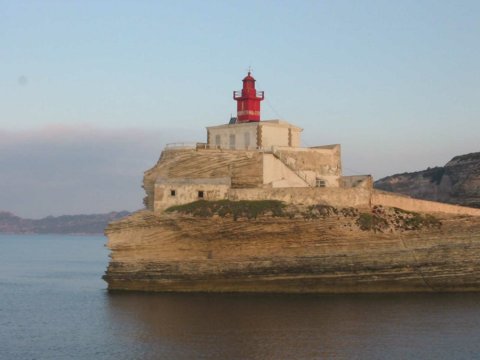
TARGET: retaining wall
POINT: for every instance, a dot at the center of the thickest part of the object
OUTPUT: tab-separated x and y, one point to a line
353	197
411	204
307	196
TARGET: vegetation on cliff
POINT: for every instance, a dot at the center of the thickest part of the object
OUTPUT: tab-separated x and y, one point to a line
379	219
236	209
383	219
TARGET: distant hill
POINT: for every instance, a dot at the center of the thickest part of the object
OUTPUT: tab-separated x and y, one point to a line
458	182
66	224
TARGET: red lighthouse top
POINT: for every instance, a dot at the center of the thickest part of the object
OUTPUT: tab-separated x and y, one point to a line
248	101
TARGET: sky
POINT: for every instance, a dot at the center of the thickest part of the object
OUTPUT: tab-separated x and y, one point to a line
91	91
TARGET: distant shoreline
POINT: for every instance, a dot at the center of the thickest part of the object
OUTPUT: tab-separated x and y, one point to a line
81	225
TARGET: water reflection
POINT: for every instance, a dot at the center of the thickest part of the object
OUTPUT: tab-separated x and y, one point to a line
213	326
53	306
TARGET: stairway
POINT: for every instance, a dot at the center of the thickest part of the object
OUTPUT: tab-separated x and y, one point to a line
302	175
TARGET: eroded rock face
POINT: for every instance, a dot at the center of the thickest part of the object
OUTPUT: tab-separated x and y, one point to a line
458	182
329	253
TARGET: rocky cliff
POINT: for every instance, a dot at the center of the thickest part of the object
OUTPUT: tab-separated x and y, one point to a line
273	248
458	182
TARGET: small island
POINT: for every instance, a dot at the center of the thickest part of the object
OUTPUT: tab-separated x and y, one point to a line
250	210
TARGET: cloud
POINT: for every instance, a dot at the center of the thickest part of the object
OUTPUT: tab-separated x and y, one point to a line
60	169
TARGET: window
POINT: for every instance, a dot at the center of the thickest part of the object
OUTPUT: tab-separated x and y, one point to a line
173	192
200	194
247	139
232	141
320	183
217	140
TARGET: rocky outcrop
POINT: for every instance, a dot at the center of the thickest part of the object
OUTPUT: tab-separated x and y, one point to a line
458	182
316	249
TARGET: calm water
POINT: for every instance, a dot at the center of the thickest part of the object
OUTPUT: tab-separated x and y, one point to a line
53	305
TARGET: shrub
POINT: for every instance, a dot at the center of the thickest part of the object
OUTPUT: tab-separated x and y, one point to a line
410	220
373	222
320	211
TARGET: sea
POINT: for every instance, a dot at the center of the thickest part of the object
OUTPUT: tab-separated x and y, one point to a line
55	305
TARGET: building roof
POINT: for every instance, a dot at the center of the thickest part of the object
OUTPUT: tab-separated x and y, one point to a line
273	122
249	77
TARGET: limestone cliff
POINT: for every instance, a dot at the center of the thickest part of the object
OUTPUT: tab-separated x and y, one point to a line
318	249
458	182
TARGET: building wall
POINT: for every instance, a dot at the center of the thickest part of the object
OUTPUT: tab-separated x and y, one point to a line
273	135
279	133
277	174
263	134
245	136
322	163
187	190
295	137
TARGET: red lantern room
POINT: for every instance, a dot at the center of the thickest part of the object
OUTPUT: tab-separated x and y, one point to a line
248	101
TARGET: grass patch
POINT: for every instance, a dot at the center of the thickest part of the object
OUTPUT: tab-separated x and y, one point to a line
236	209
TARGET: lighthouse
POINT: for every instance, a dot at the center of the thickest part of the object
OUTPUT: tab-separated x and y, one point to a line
248	101
246	131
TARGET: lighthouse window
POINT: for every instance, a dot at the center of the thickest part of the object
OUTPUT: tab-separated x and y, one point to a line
173	192
320	183
232	141
200	194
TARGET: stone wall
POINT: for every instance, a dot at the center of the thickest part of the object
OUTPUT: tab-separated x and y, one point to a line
349	197
337	197
407	203
170	192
